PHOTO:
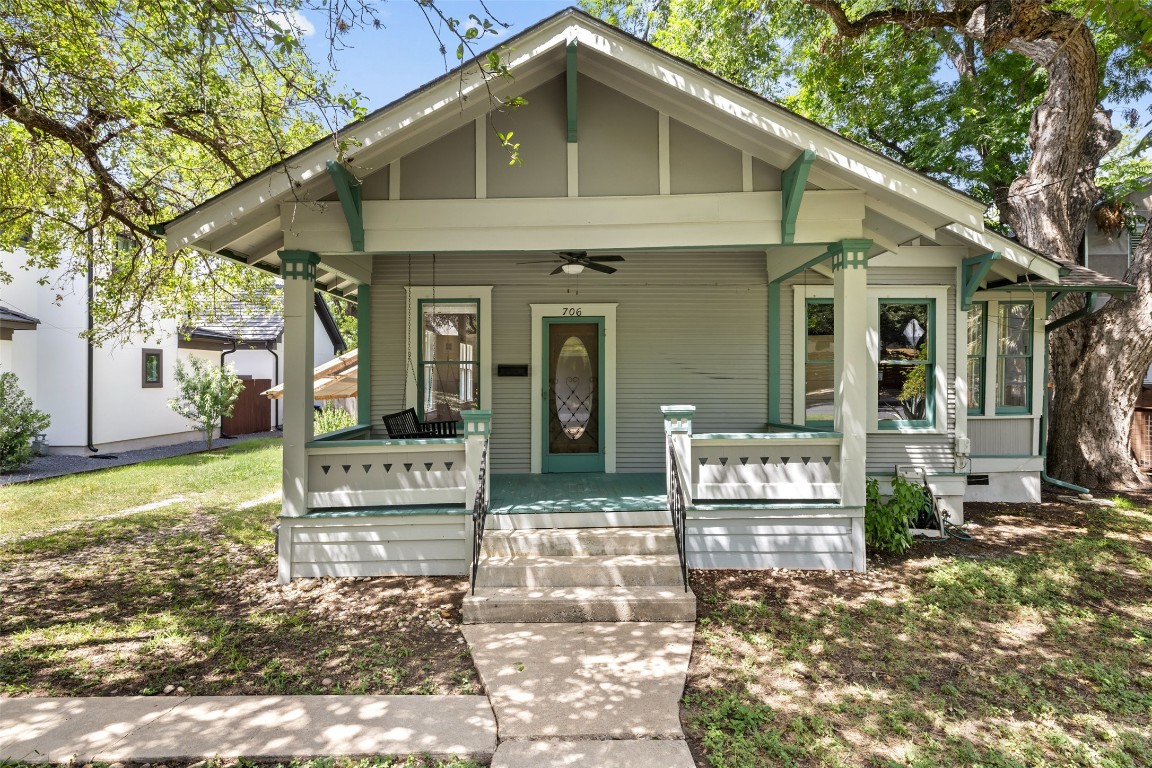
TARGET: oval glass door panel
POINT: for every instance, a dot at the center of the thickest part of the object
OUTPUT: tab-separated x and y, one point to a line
573	388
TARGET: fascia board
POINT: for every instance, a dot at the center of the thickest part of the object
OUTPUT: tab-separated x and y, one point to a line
1009	251
864	165
280	182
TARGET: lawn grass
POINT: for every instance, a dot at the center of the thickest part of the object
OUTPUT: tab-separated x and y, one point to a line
183	598
240	472
1036	652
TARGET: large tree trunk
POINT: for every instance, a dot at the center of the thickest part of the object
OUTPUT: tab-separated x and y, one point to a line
1098	364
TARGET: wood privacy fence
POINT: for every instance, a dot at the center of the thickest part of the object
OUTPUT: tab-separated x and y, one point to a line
251	412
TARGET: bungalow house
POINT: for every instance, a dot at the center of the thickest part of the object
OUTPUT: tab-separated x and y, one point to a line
685	304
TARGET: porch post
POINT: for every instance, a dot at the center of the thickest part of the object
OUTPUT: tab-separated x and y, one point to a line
852	369
678	429
299	273
477	427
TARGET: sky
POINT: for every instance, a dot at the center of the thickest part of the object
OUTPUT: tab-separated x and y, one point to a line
385	64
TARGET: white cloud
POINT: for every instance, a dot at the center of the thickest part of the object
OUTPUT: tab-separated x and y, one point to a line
295	21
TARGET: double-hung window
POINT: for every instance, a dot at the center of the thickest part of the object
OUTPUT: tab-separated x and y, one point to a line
905	388
819	362
449	351
977	355
1014	357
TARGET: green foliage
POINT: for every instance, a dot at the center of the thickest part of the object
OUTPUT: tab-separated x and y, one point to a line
206	394
19	423
331	418
886	523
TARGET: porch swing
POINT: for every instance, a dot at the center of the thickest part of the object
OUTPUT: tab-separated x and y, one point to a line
406	424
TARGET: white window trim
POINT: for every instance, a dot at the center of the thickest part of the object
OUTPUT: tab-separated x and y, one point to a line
608	376
414	294
938	293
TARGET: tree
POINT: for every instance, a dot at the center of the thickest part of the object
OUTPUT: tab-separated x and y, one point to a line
1018	122
206	394
116	115
19	423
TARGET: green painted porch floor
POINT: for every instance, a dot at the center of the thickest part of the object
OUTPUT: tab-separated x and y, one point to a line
577	492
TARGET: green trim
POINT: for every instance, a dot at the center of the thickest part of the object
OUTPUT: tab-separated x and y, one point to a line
774	351
792	182
577	462
806	435
364	354
929	420
850	254
383	443
298	265
348	190
974	270
571	80
979	410
340	434
1008	410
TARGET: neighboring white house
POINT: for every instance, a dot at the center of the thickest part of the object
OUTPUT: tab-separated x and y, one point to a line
682	282
121	401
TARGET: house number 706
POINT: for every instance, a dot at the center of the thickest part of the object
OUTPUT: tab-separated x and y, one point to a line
573	311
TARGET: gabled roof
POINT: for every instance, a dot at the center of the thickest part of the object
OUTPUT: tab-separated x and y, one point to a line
244	222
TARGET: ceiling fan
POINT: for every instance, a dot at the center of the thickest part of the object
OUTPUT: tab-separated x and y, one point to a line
574	262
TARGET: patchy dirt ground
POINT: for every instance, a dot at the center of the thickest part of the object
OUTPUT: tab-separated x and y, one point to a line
186	602
1030	645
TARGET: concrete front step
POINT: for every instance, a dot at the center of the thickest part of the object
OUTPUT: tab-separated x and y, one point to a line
579	571
645	753
580	541
579	604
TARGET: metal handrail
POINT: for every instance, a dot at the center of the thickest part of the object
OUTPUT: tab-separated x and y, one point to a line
678	506
479	513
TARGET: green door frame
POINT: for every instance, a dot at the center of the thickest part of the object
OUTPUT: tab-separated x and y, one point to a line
582	462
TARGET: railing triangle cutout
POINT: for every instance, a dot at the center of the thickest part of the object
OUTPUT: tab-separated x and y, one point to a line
387	467
785	459
428	466
366	467
827	460
347	468
703	462
407	467
743	461
448	465
805	459
765	459
325	467
723	461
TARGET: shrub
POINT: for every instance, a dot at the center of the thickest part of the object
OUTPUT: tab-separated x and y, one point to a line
206	394
331	418
19	423
886	523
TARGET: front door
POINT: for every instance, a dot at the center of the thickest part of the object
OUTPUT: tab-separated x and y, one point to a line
574	400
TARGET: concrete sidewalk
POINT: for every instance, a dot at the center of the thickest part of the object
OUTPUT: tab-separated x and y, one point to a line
158	728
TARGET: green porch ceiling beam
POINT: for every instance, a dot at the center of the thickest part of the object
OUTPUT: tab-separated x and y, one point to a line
793	182
348	190
364	354
570	61
974	271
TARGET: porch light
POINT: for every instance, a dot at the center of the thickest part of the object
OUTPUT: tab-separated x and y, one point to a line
572	269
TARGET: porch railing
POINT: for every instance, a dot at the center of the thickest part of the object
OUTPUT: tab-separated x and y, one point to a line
772	466
678	506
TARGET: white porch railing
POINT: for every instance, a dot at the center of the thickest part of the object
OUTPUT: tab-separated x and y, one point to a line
347	471
765	466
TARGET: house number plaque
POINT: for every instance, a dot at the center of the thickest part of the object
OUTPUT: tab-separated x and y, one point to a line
573	311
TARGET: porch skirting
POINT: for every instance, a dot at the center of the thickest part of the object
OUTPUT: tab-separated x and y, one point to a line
758	536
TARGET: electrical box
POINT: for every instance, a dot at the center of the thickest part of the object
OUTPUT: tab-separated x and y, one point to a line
963	446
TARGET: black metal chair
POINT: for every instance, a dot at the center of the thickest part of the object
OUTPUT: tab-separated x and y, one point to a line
404	425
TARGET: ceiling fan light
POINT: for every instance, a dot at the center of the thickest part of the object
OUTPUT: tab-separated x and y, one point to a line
572	269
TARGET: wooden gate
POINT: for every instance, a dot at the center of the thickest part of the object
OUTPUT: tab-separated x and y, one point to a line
252	412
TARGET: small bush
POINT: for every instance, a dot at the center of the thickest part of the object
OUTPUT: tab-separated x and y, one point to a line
206	392
331	418
19	423
886	523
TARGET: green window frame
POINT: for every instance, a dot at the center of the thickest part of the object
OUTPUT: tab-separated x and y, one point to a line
1014	351
977	356
906	380
152	369
819	362
448	358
